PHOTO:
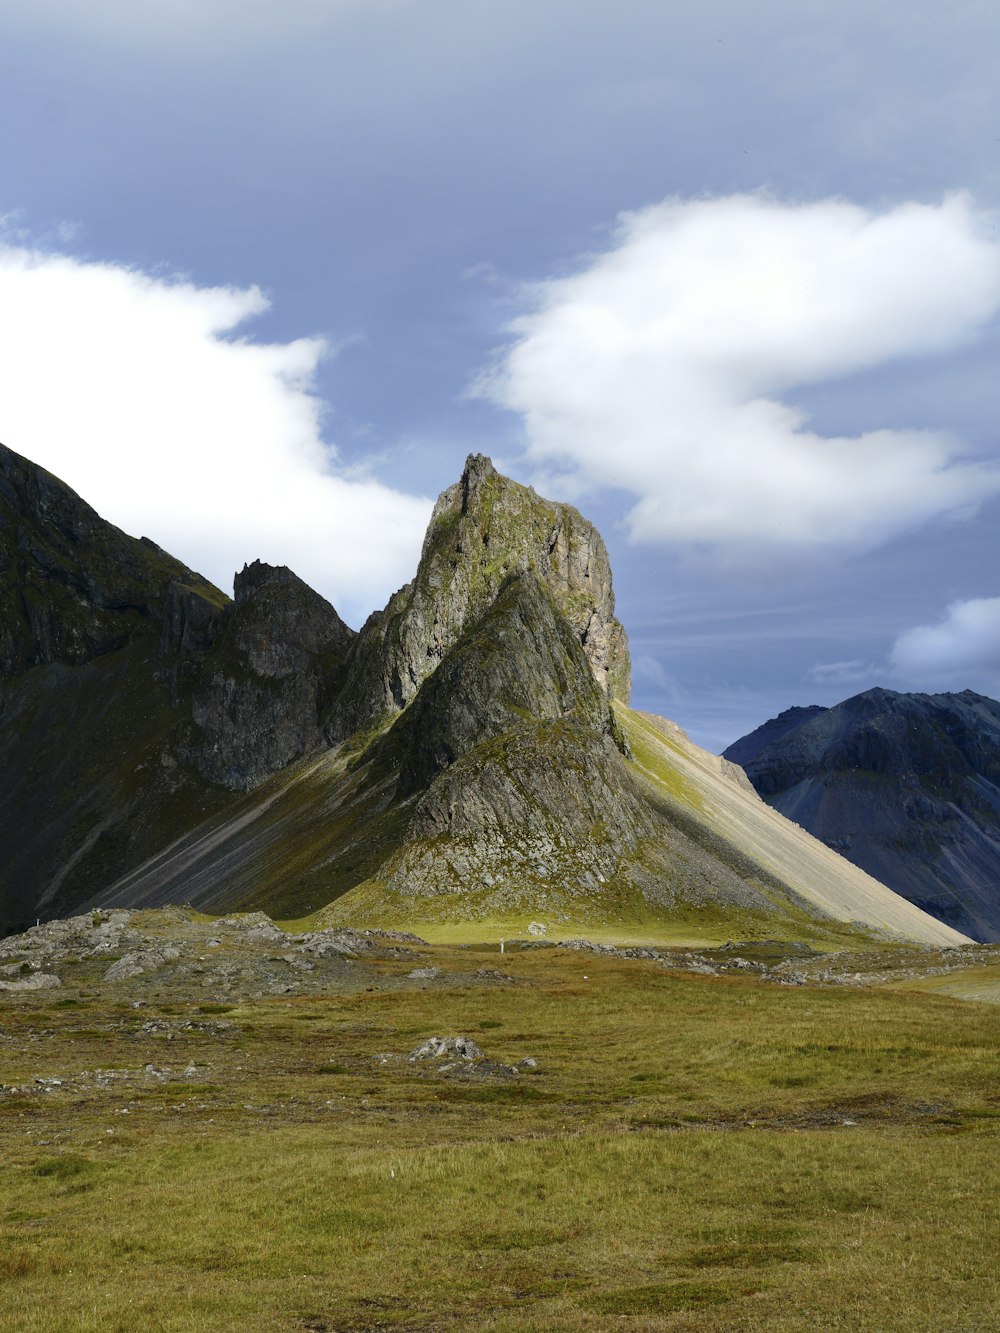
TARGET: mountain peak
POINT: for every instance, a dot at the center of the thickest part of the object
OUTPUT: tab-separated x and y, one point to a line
485	529
746	749
478	467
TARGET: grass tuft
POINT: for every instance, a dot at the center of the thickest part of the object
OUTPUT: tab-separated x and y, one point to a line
66	1167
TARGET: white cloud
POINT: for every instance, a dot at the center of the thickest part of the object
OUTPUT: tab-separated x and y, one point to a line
842	673
135	390
660	366
961	652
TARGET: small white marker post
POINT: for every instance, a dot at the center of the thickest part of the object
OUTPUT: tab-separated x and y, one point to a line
501	946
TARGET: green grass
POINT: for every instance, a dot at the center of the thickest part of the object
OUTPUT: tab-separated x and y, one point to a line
681	1159
650	749
621	917
974	983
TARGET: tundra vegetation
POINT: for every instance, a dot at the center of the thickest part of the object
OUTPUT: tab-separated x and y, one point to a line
784	1138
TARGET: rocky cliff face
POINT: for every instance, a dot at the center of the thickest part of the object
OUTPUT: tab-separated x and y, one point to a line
905	785
134	697
483	530
91	623
519	664
267	680
513	750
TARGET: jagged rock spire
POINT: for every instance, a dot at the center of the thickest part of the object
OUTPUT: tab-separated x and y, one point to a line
484	529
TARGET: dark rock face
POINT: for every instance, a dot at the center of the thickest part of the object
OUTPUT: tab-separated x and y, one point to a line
907	786
746	749
92	625
271	674
190	623
484	529
134	697
73	587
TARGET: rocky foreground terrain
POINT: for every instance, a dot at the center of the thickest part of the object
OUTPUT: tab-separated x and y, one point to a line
217	1123
108	1010
176	954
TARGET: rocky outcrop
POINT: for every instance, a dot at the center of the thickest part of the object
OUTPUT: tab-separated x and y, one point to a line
519	663
513	744
483	530
541	806
275	666
907	786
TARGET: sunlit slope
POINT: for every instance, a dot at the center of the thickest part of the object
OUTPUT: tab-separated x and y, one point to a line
980	985
725	801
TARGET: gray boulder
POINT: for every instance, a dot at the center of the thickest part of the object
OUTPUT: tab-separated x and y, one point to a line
458	1048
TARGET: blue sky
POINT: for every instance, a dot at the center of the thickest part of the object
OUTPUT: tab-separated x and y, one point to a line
725	276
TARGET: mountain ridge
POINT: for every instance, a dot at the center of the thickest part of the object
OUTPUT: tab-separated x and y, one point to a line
469	752
905	785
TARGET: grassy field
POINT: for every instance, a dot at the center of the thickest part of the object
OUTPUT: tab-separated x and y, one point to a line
972	983
627	919
697	1153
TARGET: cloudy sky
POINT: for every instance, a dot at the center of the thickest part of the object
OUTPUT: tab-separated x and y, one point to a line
725	276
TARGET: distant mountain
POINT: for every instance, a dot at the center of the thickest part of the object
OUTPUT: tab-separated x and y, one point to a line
907	786
746	749
469	753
